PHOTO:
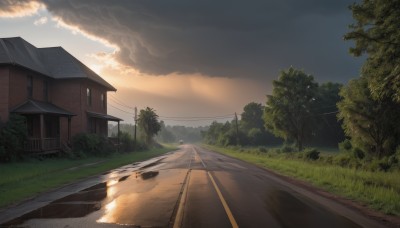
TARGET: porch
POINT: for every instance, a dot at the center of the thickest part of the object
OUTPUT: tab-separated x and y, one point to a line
97	124
42	145
43	125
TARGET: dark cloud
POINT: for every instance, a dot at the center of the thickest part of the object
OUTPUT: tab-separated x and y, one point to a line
233	38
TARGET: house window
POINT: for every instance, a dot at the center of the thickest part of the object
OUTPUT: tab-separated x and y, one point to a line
45	90
103	101
89	97
29	87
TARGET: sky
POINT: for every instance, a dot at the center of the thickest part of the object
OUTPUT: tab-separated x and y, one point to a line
190	58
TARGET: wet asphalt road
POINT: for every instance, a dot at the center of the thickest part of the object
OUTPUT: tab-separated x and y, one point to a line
190	187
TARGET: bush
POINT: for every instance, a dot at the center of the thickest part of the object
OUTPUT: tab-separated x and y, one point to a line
378	165
287	149
311	154
13	135
342	159
91	144
126	141
358	153
345	145
263	149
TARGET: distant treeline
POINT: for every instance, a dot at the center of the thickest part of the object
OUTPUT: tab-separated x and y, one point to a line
167	134
317	125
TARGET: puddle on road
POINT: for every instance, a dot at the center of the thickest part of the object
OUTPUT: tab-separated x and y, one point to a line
97	186
149	165
144	200
290	211
75	205
123	178
55	210
85	196
148	175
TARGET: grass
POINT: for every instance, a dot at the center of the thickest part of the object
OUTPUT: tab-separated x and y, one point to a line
377	190
19	181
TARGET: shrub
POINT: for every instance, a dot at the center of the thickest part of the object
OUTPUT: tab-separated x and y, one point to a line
311	154
91	144
13	135
126	141
358	153
378	165
287	149
328	159
263	149
345	146
342	159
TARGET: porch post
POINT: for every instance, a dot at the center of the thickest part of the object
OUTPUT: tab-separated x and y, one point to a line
41	132
69	129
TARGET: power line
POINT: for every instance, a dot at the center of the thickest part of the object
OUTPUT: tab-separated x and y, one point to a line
120	102
120	109
186	120
197	117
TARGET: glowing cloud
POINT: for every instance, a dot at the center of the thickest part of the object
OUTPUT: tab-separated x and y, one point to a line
19	8
40	21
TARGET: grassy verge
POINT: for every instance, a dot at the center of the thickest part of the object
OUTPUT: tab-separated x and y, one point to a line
378	190
22	180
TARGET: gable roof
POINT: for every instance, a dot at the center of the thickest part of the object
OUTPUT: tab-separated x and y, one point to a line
53	62
39	107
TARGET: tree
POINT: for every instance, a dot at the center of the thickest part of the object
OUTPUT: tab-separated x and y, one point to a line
252	117
328	130
165	135
377	34
148	123
371	124
289	109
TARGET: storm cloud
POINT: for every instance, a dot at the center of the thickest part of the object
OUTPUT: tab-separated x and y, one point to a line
225	38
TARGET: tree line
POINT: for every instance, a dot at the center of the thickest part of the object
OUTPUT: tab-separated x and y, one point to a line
364	114
298	111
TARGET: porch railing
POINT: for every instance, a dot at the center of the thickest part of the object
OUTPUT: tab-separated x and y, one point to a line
45	144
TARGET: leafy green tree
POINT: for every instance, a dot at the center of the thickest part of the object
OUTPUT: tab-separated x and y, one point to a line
252	117
371	124
289	108
377	34
252	125
148	123
328	130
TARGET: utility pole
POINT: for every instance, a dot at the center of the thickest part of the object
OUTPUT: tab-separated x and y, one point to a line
237	129
134	136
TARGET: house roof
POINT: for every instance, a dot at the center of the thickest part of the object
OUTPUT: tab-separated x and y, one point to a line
103	116
38	107
53	62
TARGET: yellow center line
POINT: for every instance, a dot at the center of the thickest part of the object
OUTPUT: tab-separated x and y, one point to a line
224	204
179	214
199	157
227	210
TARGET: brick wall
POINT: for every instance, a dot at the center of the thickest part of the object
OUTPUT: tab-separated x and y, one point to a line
4	93
70	94
18	86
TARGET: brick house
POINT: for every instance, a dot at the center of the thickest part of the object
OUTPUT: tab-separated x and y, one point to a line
59	96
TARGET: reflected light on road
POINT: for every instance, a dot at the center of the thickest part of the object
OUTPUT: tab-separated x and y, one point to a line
111	192
107	217
112	182
114	211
